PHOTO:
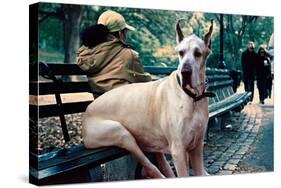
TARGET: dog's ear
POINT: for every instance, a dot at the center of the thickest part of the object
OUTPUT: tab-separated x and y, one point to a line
208	36
179	32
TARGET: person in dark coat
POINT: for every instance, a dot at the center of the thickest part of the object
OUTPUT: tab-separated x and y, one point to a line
263	73
249	62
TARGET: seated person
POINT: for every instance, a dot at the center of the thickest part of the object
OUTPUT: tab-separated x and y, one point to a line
105	56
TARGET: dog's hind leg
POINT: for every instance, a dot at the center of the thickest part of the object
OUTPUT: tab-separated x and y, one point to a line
164	165
100	133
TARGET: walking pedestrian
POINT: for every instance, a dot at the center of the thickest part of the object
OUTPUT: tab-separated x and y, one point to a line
270	53
249	62
263	74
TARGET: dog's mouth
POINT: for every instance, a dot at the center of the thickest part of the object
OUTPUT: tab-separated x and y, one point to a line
186	78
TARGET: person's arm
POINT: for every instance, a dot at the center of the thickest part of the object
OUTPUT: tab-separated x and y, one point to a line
136	69
243	62
83	59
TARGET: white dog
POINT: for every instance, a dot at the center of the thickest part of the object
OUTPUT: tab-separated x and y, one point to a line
165	116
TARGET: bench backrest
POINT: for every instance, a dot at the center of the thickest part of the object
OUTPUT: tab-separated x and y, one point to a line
219	81
39	86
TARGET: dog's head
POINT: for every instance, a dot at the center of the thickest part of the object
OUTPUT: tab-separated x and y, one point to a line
193	52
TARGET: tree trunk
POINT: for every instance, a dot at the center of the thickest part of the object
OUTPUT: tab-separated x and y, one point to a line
71	26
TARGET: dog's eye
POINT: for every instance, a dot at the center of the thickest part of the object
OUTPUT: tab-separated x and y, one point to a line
197	53
181	53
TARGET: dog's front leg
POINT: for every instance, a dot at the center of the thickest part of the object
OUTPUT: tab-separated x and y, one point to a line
197	161
180	159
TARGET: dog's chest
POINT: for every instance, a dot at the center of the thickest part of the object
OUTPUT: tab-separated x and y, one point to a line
193	125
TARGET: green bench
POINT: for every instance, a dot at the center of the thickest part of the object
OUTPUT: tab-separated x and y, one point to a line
78	164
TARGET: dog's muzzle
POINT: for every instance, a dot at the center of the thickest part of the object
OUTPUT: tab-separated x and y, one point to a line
186	78
193	95
186	72
186	67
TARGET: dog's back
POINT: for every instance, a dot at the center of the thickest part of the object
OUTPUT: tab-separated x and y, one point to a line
123	101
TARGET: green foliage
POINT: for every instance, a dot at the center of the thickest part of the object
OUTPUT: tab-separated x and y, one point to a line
51	34
154	37
259	31
51	47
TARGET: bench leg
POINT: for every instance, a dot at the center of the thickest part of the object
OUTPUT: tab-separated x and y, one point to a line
223	119
96	174
120	169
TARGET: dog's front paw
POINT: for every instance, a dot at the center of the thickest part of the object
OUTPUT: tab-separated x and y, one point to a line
206	173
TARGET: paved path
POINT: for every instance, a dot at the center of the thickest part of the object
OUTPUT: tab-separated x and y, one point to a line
247	146
260	157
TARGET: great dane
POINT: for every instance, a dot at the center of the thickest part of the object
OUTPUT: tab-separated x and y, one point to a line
169	115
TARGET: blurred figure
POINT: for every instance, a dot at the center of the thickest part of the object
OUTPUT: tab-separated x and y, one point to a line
270	52
271	46
249	62
263	74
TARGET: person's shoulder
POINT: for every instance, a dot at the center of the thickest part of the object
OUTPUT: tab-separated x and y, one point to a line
130	51
245	50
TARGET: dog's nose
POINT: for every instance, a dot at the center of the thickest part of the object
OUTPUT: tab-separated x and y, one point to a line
186	67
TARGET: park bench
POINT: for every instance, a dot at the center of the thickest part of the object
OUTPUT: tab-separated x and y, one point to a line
78	164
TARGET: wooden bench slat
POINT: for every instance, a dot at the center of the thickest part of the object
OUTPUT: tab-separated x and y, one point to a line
73	161
52	110
213	78
230	99
69	156
227	104
67	87
214	85
212	71
66	69
159	70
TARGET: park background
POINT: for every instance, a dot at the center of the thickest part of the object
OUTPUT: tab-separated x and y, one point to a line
60	26
14	51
